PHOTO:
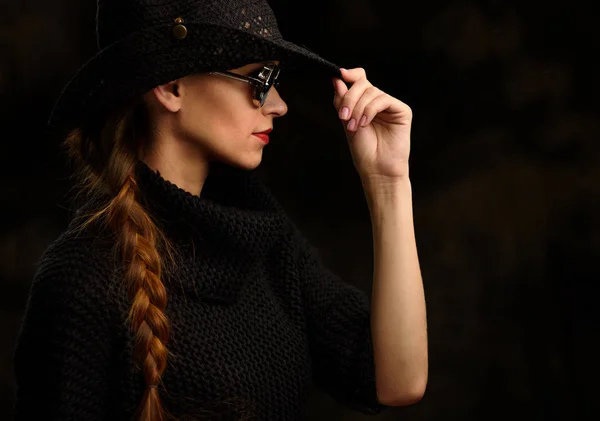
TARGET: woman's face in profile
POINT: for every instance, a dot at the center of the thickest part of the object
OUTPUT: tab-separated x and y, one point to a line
215	116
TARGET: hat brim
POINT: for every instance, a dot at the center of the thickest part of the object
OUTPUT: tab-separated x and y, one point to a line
143	60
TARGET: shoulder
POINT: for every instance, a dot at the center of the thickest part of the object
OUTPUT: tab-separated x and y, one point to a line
71	304
76	251
75	267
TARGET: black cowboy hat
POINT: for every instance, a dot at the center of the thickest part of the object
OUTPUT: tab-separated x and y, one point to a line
145	43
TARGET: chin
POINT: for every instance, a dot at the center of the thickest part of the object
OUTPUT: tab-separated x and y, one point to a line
248	164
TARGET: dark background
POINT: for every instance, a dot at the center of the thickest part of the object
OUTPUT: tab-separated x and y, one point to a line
504	168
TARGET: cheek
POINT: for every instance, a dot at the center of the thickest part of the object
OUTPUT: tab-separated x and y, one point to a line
229	111
233	128
220	119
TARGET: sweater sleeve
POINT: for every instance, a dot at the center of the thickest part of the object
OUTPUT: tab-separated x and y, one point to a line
339	332
63	348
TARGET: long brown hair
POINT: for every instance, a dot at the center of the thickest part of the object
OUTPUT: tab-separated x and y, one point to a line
105	155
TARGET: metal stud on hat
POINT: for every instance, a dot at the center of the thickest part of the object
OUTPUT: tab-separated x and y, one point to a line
179	30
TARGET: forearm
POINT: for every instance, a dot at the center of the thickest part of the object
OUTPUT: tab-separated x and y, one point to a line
398	318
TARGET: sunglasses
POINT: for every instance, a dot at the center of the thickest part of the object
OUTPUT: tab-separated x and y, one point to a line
265	78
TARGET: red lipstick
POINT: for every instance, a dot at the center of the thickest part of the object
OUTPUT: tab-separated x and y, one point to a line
264	136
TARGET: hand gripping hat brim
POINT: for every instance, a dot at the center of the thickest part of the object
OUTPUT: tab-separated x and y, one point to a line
145	43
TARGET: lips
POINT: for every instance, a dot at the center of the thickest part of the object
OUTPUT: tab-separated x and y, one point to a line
262	136
265	132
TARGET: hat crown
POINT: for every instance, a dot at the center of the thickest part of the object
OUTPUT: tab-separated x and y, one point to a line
116	19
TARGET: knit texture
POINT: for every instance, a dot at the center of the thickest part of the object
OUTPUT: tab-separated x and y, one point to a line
255	316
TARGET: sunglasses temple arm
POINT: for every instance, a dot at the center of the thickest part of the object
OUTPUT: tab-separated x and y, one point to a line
247	79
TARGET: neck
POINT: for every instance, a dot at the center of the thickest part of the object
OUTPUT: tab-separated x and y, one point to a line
181	163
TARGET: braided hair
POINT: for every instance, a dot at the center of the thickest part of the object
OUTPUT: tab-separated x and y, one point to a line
105	157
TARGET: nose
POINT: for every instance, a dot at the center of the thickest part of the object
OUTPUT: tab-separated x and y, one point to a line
274	104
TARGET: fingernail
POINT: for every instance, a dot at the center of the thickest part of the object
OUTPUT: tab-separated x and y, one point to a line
352	124
345	113
363	120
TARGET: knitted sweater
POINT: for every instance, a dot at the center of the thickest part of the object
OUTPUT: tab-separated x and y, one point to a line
255	316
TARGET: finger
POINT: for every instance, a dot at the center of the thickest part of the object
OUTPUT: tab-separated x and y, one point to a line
340	89
358	117
376	106
353	75
351	97
350	76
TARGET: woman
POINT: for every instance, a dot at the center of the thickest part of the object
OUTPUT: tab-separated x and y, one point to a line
181	289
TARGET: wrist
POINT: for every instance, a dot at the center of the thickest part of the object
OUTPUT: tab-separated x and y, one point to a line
381	193
375	186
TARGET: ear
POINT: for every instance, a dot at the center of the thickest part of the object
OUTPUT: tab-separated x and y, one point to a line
169	95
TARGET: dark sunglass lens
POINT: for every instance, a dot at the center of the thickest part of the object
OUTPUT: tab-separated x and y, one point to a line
259	95
276	73
261	92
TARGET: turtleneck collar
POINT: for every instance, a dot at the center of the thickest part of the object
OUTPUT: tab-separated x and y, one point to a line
228	230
